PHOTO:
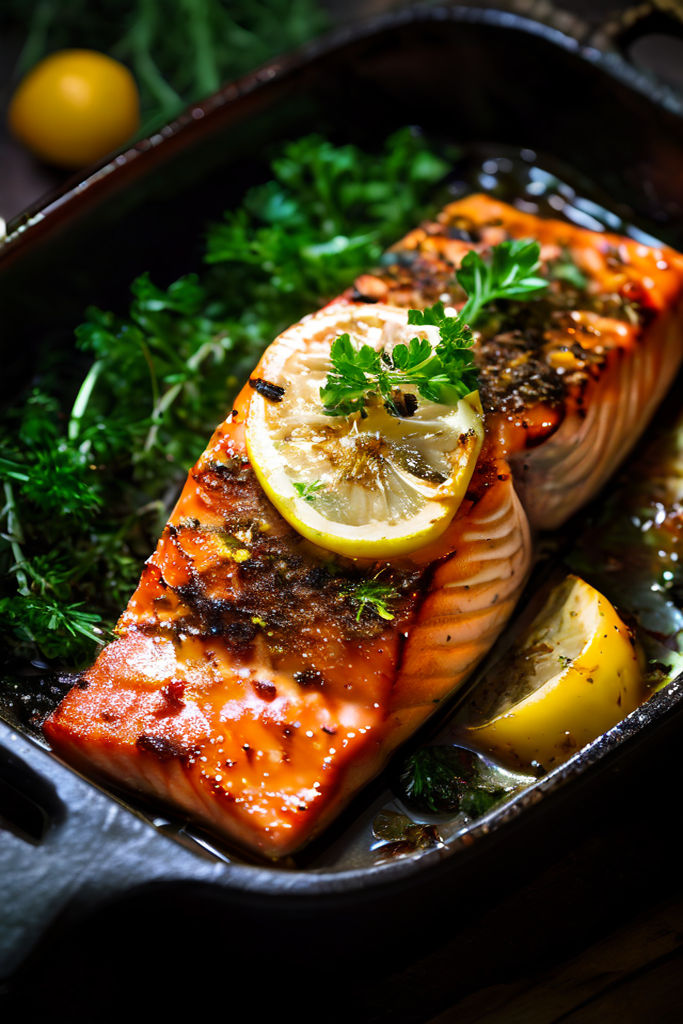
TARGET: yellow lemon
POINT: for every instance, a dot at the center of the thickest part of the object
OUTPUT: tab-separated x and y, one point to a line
74	107
573	674
372	486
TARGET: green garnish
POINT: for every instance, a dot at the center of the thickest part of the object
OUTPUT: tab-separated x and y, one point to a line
477	802
446	372
93	459
328	213
308	491
565	269
434	779
446	779
373	595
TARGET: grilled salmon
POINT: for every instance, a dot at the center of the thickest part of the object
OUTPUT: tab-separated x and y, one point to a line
244	686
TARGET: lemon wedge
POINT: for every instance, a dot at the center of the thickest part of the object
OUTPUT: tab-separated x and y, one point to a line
573	674
364	487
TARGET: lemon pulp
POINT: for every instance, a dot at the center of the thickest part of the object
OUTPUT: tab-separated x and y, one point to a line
570	677
372	486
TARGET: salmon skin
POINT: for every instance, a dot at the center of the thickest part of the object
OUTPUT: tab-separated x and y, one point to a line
244	687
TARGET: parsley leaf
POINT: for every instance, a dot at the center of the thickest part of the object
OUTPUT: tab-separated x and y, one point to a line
444	373
308	491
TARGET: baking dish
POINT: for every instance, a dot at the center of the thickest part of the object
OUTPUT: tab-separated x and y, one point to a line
75	852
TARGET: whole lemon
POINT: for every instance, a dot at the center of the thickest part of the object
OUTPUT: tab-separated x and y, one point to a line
75	107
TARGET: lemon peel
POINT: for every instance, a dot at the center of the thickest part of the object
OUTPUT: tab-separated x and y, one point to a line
572	675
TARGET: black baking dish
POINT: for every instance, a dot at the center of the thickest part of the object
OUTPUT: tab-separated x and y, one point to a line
79	858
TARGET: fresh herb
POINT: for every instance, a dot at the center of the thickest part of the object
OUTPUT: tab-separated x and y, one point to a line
476	802
373	595
308	491
508	273
91	470
565	269
434	779
442	373
327	214
444	779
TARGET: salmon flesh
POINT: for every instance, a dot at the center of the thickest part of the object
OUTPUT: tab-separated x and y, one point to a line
243	687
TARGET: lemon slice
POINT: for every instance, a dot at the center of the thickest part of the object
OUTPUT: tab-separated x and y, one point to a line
574	674
365	487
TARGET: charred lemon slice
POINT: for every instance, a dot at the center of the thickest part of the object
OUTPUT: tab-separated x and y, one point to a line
573	674
365	486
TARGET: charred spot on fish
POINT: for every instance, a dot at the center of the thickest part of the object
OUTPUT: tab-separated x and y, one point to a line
164	748
189	593
461	228
250	566
189	523
458	234
317	577
266	690
173	694
398	257
109	715
226	469
273	392
310	677
239	634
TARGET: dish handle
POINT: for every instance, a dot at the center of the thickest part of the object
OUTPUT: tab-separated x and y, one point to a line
67	849
649	36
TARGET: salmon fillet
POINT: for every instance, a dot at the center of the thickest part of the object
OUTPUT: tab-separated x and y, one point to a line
244	688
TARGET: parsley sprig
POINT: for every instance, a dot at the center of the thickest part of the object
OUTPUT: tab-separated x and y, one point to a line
446	372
